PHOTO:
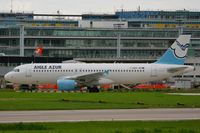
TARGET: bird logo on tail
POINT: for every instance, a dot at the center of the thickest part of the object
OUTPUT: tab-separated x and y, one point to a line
180	50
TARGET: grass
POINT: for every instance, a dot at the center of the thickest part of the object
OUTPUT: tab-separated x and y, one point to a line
105	127
104	100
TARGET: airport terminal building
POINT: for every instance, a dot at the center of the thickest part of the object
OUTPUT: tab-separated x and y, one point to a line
125	36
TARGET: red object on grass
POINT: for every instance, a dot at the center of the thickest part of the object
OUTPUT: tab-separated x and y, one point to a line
151	86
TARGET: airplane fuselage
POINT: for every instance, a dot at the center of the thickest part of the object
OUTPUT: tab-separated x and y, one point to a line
116	73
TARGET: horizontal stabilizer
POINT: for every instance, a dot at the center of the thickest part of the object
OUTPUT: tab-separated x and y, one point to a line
173	70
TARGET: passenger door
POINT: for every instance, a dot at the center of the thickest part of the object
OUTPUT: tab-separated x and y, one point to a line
28	71
154	71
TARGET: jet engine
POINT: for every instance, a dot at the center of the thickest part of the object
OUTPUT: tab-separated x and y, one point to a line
66	85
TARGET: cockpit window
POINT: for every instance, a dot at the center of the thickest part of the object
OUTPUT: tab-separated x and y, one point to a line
16	70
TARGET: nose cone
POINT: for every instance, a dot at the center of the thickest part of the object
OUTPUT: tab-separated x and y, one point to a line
8	77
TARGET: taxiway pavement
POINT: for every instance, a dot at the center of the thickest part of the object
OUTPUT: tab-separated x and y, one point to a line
99	115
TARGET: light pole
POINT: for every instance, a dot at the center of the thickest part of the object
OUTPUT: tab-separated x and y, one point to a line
180	26
118	45
21	40
118	26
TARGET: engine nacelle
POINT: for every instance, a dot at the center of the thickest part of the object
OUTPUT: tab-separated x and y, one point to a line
66	85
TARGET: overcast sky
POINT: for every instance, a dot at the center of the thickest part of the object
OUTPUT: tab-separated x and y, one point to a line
96	6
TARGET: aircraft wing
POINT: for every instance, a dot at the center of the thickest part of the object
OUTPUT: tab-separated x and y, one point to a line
173	70
89	78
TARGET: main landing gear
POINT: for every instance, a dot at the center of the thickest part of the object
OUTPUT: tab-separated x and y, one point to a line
93	89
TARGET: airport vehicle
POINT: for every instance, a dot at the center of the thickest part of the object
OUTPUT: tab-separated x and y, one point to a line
70	75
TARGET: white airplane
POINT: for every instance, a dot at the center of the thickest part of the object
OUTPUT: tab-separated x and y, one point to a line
70	75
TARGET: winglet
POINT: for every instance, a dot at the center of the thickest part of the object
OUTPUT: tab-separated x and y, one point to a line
177	52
